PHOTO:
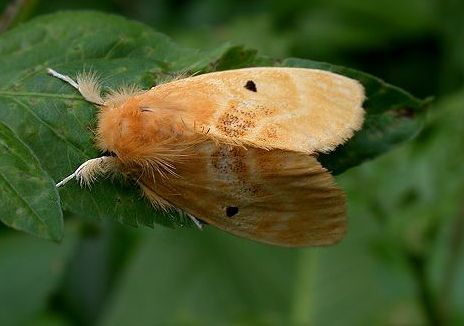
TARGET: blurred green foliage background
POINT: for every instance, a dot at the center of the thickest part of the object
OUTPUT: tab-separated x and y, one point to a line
402	262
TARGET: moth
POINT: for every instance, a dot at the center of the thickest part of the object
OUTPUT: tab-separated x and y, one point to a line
236	149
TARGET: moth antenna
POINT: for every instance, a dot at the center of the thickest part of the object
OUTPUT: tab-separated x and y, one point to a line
87	84
88	171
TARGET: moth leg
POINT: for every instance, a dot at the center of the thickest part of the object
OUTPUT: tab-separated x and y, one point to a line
88	171
197	222
87	84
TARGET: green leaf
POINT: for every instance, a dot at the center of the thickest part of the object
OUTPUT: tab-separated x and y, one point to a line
30	270
392	117
56	123
28	197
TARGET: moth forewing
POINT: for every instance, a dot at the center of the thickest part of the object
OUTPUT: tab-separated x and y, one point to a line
305	110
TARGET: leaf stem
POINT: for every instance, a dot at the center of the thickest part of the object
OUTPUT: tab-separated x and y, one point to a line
11	13
426	297
36	94
304	287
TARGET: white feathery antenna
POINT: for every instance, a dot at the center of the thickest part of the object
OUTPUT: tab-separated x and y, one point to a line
87	85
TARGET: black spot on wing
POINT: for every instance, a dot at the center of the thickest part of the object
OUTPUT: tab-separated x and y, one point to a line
231	211
251	86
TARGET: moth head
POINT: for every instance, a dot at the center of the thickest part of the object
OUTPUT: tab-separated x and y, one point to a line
127	131
132	131
125	126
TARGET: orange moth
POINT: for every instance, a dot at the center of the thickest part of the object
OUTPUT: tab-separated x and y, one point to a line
236	149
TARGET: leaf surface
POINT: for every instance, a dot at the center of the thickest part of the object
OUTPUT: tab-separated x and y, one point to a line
29	200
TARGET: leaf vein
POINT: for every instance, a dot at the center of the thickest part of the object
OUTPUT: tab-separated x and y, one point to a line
32	94
51	128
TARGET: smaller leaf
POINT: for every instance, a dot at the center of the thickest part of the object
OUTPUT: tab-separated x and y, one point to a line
29	200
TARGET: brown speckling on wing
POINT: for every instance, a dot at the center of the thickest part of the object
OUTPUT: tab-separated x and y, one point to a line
277	197
297	109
